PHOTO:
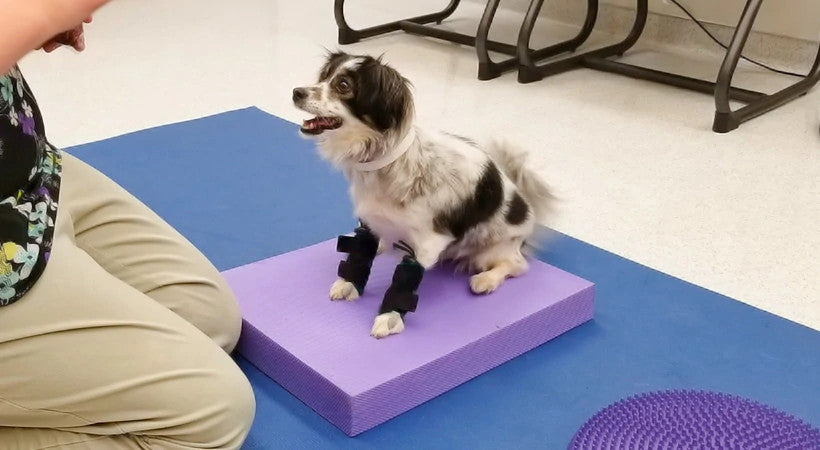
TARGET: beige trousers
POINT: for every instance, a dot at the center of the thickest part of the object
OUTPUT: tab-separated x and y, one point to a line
117	346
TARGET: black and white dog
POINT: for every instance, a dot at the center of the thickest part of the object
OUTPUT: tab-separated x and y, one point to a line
434	195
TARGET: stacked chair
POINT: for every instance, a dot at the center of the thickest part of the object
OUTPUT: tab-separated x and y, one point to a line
535	64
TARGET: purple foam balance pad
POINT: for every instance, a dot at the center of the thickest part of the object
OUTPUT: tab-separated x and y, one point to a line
693	420
322	352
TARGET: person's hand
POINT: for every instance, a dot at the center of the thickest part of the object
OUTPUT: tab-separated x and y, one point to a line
56	16
26	25
73	38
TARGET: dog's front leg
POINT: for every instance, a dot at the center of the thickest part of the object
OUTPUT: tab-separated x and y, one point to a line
361	249
401	296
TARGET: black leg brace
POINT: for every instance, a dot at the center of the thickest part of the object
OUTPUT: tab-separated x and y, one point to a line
361	249
401	296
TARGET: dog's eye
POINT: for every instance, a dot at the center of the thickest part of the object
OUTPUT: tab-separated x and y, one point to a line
344	85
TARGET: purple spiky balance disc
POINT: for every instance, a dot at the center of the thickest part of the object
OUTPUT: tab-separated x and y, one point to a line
693	420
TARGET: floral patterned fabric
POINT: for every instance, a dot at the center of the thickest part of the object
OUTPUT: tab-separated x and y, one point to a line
29	189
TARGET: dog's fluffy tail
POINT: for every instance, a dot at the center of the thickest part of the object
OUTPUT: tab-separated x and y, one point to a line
514	162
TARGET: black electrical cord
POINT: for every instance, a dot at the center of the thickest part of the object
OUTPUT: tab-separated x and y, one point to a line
717	41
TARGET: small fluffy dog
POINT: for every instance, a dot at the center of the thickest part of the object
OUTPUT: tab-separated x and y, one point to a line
434	195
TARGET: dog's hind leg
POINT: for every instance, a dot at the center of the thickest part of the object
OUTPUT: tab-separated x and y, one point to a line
498	263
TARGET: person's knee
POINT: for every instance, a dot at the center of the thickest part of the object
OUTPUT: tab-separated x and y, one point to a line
229	327
221	320
216	411
236	417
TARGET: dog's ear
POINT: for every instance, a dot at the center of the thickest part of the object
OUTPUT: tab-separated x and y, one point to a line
333	60
383	98
330	54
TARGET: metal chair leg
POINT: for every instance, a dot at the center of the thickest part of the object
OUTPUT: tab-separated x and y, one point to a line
348	35
727	120
528	71
528	58
488	69
416	25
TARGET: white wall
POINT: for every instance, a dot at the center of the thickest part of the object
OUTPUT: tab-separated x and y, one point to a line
794	18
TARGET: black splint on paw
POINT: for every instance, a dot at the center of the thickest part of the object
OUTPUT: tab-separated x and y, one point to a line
361	249
401	296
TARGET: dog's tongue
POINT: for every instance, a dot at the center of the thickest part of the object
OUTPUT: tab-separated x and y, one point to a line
317	123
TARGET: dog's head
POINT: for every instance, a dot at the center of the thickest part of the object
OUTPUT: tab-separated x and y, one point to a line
359	104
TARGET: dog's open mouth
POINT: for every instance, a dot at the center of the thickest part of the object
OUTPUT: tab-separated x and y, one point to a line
318	125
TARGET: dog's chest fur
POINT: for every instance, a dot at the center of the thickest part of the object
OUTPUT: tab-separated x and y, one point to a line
390	218
437	176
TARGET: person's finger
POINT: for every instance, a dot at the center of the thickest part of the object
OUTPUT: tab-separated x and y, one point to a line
79	42
51	46
78	38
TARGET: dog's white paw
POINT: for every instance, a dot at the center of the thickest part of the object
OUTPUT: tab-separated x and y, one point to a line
343	290
485	282
387	324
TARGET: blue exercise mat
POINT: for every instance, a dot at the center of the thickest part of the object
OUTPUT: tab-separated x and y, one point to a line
243	186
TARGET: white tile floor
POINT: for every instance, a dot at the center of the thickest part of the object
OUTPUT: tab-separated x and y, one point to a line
638	169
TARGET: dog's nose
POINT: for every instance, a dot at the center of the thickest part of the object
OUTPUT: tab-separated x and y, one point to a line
299	94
